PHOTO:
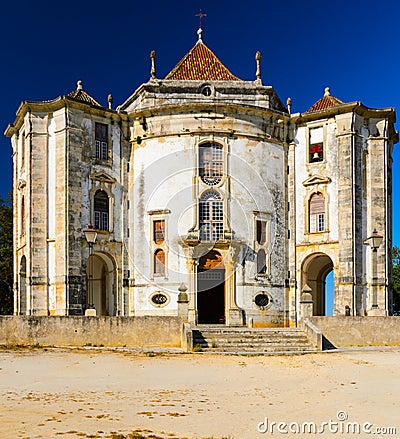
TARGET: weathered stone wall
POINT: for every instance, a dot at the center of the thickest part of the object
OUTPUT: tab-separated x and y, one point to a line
343	331
149	331
254	183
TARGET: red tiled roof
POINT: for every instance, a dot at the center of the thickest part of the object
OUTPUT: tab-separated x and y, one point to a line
327	101
80	95
200	63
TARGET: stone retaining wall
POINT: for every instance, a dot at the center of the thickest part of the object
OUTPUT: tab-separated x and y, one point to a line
141	331
341	331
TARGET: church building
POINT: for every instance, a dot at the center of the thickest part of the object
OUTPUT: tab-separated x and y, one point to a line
203	183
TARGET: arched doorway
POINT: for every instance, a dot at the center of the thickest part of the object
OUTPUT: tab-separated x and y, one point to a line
100	284
329	293
22	287
211	289
315	271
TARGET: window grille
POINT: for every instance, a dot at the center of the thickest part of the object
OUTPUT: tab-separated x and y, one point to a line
211	211
101	210
159	231
211	163
101	141
317	213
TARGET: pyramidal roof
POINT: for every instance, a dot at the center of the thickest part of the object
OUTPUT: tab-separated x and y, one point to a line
327	101
80	95
201	63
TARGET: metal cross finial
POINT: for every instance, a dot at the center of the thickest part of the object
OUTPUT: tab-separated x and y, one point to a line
200	15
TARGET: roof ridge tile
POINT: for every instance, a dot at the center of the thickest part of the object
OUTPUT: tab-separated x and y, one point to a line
201	63
83	96
327	101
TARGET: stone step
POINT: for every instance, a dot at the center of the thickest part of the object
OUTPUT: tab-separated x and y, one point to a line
227	339
258	349
254	336
223	328
247	338
243	345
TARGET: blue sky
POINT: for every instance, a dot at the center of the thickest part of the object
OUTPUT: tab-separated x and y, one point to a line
351	46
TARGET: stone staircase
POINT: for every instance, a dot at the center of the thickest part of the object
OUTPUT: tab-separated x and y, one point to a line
219	338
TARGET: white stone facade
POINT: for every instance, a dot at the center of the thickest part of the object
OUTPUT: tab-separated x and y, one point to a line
212	184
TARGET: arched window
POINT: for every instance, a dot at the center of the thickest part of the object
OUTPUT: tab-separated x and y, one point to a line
317	213
159	262
211	161
101	210
211	213
261	262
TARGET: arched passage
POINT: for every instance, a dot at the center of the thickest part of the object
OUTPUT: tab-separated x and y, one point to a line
211	288
315	271
100	284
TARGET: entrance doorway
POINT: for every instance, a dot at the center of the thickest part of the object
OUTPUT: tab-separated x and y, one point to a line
100	284
329	290
315	274
211	289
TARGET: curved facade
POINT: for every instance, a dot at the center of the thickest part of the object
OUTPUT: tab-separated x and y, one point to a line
205	183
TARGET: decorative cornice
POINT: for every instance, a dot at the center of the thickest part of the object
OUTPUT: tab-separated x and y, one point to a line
57	104
102	177
159	212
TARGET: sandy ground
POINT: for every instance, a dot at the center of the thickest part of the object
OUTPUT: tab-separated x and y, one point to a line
69	394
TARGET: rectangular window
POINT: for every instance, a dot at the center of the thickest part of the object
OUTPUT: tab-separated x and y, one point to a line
317	213
321	222
317	223
261	232
100	220
104	220
211	163
97	220
313	223
159	231
101	140
211	216
316	145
